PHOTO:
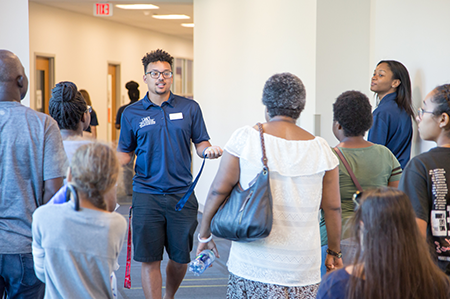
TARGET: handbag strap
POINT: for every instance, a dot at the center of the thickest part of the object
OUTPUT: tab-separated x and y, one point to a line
127	282
349	170
263	145
186	196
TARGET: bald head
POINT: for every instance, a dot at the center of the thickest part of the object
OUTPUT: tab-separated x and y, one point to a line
13	81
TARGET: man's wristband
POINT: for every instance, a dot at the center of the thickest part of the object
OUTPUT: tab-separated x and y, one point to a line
334	253
204	241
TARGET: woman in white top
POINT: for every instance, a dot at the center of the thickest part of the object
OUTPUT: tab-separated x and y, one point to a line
303	177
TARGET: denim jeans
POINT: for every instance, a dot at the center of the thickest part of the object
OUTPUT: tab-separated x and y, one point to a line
323	269
17	277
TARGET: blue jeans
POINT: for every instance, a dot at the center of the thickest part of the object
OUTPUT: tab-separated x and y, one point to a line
17	277
323	269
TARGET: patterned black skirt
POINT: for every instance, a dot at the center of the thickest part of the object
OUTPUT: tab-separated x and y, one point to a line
241	288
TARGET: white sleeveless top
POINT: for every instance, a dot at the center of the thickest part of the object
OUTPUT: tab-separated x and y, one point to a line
291	254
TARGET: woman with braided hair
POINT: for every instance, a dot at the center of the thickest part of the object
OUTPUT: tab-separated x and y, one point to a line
68	107
76	250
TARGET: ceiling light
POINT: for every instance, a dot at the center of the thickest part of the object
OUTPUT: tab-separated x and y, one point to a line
137	6
188	25
171	17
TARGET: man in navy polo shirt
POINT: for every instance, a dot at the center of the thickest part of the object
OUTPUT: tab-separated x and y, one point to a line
159	129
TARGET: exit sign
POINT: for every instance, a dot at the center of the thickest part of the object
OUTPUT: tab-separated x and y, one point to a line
103	9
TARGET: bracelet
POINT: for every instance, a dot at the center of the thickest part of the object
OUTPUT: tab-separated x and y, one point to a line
334	253
204	241
203	154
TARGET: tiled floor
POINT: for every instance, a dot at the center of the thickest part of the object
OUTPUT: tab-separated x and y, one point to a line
211	284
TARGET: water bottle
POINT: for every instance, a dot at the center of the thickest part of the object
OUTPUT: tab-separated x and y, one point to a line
202	262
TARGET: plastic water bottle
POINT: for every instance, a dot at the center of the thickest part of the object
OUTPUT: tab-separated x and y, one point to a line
202	262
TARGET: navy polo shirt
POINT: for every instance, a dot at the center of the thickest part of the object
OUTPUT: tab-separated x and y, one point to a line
392	127
161	138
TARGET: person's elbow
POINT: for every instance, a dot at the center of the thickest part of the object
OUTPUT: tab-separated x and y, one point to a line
38	260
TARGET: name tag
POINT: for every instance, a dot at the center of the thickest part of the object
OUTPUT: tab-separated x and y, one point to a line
175	116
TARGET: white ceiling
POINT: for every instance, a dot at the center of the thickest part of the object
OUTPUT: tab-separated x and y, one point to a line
137	18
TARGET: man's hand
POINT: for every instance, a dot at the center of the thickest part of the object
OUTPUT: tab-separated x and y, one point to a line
213	152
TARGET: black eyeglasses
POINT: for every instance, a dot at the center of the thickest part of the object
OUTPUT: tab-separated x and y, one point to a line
420	112
356	198
156	74
89	109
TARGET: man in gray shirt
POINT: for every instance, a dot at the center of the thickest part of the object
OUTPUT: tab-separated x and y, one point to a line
32	167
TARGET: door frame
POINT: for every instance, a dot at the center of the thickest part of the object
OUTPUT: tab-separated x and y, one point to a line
113	101
51	79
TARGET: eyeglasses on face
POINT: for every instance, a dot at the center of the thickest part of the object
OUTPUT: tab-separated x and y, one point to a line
356	198
156	74
420	112
89	109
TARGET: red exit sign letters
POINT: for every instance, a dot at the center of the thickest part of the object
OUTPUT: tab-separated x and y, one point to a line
103	9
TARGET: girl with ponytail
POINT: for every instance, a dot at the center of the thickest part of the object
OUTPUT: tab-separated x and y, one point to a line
76	244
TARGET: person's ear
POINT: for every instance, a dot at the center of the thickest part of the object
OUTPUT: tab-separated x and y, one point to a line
444	121
20	82
337	125
396	83
145	78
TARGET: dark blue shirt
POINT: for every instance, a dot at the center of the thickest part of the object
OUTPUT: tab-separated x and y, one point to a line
392	127
161	138
334	285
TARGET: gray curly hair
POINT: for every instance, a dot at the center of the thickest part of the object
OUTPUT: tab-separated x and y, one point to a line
284	94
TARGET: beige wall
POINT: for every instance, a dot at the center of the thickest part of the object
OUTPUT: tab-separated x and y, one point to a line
416	33
84	45
14	32
331	45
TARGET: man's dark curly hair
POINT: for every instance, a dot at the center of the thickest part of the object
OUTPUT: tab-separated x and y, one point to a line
352	110
157	55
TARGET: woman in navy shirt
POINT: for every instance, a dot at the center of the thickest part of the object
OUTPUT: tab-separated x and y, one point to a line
392	125
392	259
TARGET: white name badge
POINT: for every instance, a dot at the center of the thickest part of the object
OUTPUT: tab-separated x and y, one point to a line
175	116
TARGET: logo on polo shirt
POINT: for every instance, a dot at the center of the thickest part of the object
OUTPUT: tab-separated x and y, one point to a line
146	121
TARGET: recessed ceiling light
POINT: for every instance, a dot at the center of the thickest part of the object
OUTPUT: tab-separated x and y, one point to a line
188	25
171	17
137	6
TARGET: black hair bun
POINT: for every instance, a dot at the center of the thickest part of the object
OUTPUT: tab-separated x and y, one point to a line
64	91
132	85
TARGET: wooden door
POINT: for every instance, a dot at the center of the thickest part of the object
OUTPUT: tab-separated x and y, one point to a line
112	100
43	88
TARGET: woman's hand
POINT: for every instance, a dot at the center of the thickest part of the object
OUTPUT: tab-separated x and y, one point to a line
210	245
333	263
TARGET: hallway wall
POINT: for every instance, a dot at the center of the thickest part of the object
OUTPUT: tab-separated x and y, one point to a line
84	45
332	46
14	32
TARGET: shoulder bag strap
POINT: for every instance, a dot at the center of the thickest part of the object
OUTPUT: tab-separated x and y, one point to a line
349	170
263	146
